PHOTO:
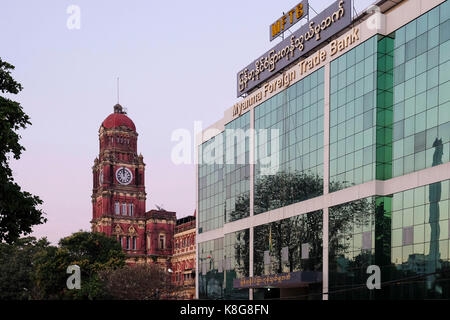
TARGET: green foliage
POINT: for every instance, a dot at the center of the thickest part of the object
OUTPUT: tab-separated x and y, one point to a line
50	273
17	267
31	269
92	252
18	211
92	288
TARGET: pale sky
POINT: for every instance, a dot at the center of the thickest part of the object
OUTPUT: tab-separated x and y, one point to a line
177	62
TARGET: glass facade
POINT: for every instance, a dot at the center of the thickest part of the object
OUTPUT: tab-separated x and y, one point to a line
353	79
420	243
421	91
294	118
224	176
237	169
221	261
389	116
210	262
211	206
237	262
289	245
406	234
359	236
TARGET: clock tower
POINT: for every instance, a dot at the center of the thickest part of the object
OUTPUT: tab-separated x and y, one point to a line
118	195
118	198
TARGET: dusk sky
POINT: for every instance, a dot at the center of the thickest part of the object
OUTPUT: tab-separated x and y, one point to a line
177	62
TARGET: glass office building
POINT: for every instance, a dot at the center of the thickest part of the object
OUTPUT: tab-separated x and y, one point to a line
346	168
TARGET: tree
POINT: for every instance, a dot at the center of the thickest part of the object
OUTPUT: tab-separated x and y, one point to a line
138	282
17	267
92	252
18	212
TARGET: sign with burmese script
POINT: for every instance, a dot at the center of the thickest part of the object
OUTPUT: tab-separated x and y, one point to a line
288	20
326	24
289	279
296	72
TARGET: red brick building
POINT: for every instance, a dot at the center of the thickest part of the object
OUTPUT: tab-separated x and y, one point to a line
118	196
183	260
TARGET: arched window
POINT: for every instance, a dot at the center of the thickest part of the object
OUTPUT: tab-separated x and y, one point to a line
117	207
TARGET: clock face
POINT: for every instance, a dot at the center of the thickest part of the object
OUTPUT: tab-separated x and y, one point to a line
124	175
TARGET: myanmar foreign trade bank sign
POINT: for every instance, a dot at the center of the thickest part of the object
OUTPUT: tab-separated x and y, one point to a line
322	27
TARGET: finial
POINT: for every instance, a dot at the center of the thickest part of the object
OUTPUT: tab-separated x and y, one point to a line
118	108
117	90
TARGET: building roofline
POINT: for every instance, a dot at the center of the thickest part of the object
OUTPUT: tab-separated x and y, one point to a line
384	5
